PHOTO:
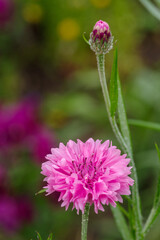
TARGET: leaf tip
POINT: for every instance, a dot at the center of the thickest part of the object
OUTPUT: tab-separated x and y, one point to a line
85	39
41	191
158	151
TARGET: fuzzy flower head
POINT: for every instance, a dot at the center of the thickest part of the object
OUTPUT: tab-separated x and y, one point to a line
90	172
101	40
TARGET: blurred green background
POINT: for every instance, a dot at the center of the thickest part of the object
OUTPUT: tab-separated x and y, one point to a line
50	93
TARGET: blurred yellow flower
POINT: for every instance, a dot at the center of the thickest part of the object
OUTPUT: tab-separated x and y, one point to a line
100	3
68	29
32	13
79	4
56	119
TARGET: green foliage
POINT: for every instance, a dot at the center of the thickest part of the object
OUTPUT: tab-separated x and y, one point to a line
125	141
116	98
113	85
85	39
155	11
155	211
123	118
157	195
121	223
38	236
41	191
49	238
158	151
145	124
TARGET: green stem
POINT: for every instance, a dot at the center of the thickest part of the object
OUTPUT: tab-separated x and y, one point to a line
152	217
85	222
151	8
155	211
135	193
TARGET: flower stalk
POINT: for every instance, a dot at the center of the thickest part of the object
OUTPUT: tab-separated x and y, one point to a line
85	222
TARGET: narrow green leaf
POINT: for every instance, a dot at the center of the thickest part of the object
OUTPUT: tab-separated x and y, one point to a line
151	219
145	124
157	195
41	191
155	211
123	118
126	135
39	236
151	8
128	199
50	237
131	219
121	223
158	151
113	85
123	210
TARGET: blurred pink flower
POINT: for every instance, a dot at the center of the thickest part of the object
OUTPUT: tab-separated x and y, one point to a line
90	172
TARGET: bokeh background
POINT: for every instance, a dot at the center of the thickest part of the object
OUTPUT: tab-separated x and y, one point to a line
50	93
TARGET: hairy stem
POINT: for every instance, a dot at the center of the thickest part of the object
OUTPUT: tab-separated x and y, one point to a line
85	222
135	193
152	217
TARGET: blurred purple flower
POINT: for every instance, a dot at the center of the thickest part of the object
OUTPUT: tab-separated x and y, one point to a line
17	122
20	126
2	174
6	11
8	214
14	212
40	143
3	179
25	209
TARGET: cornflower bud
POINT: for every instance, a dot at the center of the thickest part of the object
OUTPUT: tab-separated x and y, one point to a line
101	39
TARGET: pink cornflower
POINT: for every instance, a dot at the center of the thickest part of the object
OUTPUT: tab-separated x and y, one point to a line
90	172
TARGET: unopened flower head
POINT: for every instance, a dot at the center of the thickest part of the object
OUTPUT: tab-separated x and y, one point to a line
101	39
90	172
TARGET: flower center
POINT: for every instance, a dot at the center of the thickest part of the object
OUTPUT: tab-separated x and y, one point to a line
88	170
